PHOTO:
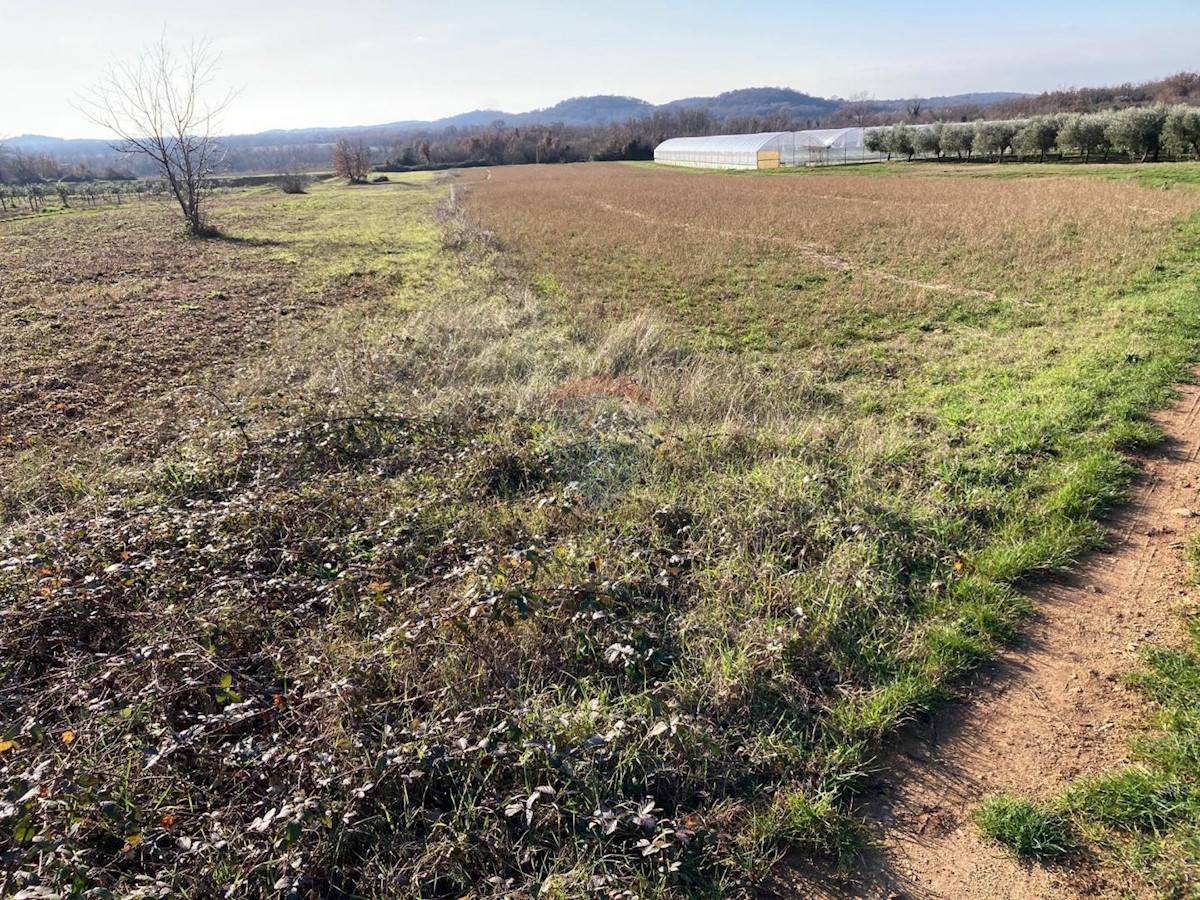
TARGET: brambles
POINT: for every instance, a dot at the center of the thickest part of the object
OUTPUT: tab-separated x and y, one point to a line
293	182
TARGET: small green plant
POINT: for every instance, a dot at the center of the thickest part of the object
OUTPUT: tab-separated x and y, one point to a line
1029	829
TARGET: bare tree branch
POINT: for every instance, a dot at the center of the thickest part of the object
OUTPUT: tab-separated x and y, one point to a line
861	108
156	106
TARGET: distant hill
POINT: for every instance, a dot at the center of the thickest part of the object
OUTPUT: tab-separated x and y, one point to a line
757	103
606	109
603	109
615	127
40	143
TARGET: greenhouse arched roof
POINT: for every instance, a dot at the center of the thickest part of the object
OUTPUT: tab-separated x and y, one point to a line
724	143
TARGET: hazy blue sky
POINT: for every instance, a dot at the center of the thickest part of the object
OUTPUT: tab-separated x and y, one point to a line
325	62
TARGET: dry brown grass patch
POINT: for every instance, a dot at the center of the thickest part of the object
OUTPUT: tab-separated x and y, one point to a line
600	385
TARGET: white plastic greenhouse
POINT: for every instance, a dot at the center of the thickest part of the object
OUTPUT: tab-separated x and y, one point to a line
770	150
724	151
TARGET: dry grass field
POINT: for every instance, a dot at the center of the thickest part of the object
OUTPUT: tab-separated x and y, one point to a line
554	531
788	263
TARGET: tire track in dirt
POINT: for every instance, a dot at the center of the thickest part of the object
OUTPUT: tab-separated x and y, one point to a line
1050	709
812	251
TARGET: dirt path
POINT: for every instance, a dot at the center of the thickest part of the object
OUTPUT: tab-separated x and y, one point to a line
1050	709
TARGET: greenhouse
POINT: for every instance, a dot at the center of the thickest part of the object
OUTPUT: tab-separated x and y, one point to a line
725	151
770	150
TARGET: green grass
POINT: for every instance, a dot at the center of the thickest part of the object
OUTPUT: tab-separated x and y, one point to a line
389	619
1162	176
1144	818
1028	829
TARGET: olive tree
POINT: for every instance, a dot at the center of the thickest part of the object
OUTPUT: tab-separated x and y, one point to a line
928	141
994	138
158	106
1182	129
900	140
1138	131
1086	133
958	138
875	141
1037	136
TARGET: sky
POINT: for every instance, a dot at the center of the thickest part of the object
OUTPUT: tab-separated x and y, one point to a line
305	63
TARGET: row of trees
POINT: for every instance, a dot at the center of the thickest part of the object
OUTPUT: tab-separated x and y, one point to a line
17	167
35	195
500	144
1141	133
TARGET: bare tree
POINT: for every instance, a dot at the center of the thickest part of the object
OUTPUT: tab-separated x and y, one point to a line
156	106
861	108
351	160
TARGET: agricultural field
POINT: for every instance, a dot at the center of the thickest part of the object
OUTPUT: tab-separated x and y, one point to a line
543	531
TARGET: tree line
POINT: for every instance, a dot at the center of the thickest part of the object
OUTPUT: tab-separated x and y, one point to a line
1142	133
17	167
34	196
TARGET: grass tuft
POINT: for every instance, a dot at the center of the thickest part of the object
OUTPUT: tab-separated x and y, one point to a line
1029	829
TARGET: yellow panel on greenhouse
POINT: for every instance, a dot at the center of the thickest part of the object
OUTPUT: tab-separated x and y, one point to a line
768	159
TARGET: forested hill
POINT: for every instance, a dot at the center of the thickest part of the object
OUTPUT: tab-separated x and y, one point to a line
595	127
603	109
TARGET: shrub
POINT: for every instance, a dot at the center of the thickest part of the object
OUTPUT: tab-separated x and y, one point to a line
293	182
